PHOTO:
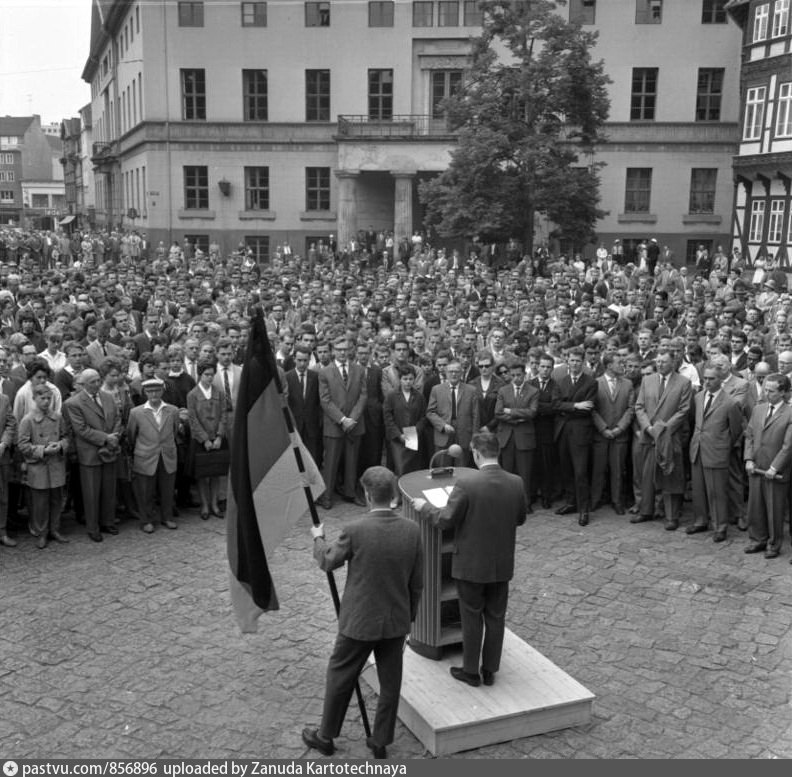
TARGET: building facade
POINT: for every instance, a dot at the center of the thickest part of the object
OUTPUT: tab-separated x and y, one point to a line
265	123
75	135
763	167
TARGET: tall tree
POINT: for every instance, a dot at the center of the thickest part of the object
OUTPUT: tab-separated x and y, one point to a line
532	104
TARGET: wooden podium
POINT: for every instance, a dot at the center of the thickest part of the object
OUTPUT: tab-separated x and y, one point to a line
437	622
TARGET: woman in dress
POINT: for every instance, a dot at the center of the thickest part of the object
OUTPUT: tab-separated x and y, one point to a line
208	459
403	409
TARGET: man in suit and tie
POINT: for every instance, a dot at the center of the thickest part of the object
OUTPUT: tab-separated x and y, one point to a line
768	447
614	410
487	385
146	340
661	411
96	425
383	588
453	412
718	428
573	435
152	431
373	438
391	380
546	461
8	433
484	508
343	394
304	402
515	410
227	379
101	348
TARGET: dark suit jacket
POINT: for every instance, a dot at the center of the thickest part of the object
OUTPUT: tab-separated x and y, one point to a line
485	508
339	401
307	411
398	413
667	411
519	422
438	413
8	427
616	413
715	434
577	423
549	400
384	577
374	398
486	401
770	445
10	388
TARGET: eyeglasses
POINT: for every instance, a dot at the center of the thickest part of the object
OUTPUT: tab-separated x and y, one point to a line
488	364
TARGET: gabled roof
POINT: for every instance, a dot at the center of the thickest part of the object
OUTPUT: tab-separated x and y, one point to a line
106	16
15	125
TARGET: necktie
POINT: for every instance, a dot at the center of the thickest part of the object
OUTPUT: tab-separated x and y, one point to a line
663	385
302	384
104	349
192	371
345	375
99	403
710	397
612	388
769	415
453	403
227	389
544	385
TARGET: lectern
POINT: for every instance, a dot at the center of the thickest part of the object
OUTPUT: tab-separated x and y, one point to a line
437	623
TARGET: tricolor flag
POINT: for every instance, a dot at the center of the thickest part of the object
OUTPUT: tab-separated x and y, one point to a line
266	489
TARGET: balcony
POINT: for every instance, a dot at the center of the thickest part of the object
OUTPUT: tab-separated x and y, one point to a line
406	126
104	155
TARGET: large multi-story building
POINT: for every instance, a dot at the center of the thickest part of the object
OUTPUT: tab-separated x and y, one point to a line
75	134
763	167
264	123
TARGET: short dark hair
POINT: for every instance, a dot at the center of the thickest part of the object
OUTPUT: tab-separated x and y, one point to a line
380	484
486	443
782	380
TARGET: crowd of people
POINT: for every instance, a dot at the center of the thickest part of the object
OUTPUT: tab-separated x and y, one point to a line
608	381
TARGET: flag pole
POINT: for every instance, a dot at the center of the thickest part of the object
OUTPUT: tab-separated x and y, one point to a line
314	515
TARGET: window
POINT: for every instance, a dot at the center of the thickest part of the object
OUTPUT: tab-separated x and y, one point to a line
6	195
254	14
317	14
380	94
196	187
381	14
444	83
257	188
648	11
2	176
784	111
200	242
754	113
757	221
39	201
761	15
191	14
644	93
776	222
9	140
254	88
7	176
317	95
448	13
260	246
582	11
702	189
709	93
7	159
423	14
473	16
780	18
193	94
317	188
638	190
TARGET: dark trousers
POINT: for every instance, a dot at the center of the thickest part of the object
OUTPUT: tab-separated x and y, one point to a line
546	463
609	457
371	444
334	448
346	662
404	460
767	506
574	464
482	607
4	473
148	487
99	495
710	489
520	463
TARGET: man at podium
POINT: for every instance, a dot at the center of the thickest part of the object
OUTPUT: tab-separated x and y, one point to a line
484	508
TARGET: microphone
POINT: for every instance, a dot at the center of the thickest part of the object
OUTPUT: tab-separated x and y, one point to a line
454	451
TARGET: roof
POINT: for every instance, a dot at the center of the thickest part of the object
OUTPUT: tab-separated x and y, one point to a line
70	128
15	125
106	18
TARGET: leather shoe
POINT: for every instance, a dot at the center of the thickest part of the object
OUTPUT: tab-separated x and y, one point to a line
169	525
109	529
360	501
672	525
379	751
696	528
641	518
719	535
325	502
95	536
742	524
311	738
634	510
487	677
755	547
771	553
58	537
546	503
566	510
618	509
458	673
148	528
41	542
7	541
583	519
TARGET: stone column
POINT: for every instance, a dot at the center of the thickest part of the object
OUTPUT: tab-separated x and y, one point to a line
403	205
347	205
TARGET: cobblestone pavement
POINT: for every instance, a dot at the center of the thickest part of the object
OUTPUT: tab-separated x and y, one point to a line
129	648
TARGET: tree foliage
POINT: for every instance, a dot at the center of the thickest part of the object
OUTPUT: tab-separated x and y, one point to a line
532	104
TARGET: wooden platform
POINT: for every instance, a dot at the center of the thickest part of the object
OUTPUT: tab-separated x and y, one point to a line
531	695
